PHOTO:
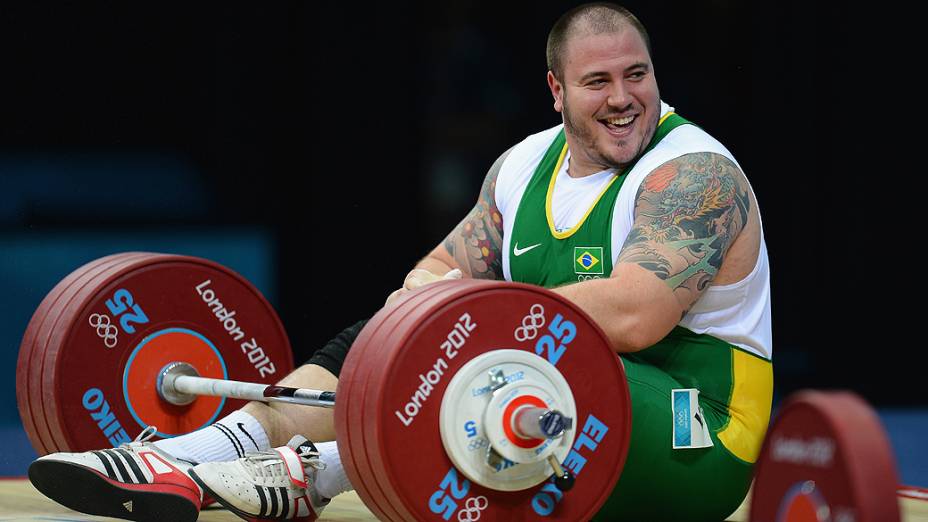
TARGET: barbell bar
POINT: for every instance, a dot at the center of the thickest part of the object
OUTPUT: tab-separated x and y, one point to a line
179	384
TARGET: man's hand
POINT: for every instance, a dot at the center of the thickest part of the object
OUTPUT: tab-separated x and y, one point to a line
421	277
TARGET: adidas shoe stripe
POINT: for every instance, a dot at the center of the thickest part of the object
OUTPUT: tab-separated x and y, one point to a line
284	502
118	463
104	458
273	494
139	476
262	511
121	470
274	501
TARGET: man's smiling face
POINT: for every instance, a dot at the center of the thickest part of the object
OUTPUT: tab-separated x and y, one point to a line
609	99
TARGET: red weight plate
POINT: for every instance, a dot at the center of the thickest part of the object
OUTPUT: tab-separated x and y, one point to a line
405	445
368	443
425	298
51	430
428	298
24	360
350	392
348	380
368	355
826	455
549	502
47	426
38	379
111	337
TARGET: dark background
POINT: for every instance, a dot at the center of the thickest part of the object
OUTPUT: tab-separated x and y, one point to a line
334	144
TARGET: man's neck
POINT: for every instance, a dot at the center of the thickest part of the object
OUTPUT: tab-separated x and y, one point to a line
580	168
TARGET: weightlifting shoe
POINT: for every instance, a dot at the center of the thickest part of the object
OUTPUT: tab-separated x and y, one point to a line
135	481
267	485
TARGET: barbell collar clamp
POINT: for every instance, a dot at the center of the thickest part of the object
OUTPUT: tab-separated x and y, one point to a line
531	422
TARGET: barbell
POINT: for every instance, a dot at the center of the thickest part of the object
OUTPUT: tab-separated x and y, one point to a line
178	383
460	394
460	390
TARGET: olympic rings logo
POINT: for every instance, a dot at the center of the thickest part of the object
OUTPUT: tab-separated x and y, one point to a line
473	508
105	329
477	444
531	323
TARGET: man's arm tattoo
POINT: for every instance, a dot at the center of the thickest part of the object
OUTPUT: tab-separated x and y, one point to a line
687	214
476	244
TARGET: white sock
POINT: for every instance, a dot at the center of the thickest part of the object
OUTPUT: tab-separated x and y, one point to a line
332	480
227	439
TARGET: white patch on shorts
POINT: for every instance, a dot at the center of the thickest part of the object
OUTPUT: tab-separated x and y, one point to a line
690	428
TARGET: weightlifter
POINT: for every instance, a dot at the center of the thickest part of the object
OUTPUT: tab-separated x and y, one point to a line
628	210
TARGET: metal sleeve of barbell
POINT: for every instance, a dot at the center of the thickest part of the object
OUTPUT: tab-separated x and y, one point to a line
253	391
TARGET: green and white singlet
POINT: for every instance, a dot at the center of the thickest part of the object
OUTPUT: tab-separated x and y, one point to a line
560	230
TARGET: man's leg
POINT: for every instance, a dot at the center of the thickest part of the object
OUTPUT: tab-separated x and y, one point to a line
314	471
260	426
281	421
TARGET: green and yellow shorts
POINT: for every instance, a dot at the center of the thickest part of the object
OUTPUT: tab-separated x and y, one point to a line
735	387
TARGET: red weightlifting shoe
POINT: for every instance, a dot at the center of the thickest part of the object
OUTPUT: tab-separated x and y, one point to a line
135	481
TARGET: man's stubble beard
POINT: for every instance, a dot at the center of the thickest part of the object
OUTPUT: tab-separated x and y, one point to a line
584	136
588	141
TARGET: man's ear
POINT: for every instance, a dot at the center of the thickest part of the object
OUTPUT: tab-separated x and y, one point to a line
557	90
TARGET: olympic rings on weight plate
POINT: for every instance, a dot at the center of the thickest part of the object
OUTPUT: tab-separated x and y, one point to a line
531	323
108	335
478	443
473	507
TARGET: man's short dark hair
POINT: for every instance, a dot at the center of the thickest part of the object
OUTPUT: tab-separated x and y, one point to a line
596	18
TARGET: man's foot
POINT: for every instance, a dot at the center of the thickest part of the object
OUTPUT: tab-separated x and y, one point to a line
135	481
268	485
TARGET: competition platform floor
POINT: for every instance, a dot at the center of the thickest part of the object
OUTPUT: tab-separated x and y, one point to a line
20	501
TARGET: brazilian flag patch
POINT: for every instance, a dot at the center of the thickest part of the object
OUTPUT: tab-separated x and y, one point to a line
588	260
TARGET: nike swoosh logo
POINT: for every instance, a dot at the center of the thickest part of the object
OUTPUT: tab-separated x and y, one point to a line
519	251
241	426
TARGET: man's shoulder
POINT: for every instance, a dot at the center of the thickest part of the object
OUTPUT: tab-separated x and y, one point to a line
515	167
692	138
680	142
533	147
540	139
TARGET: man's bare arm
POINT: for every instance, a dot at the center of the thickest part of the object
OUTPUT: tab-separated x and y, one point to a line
688	213
476	243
